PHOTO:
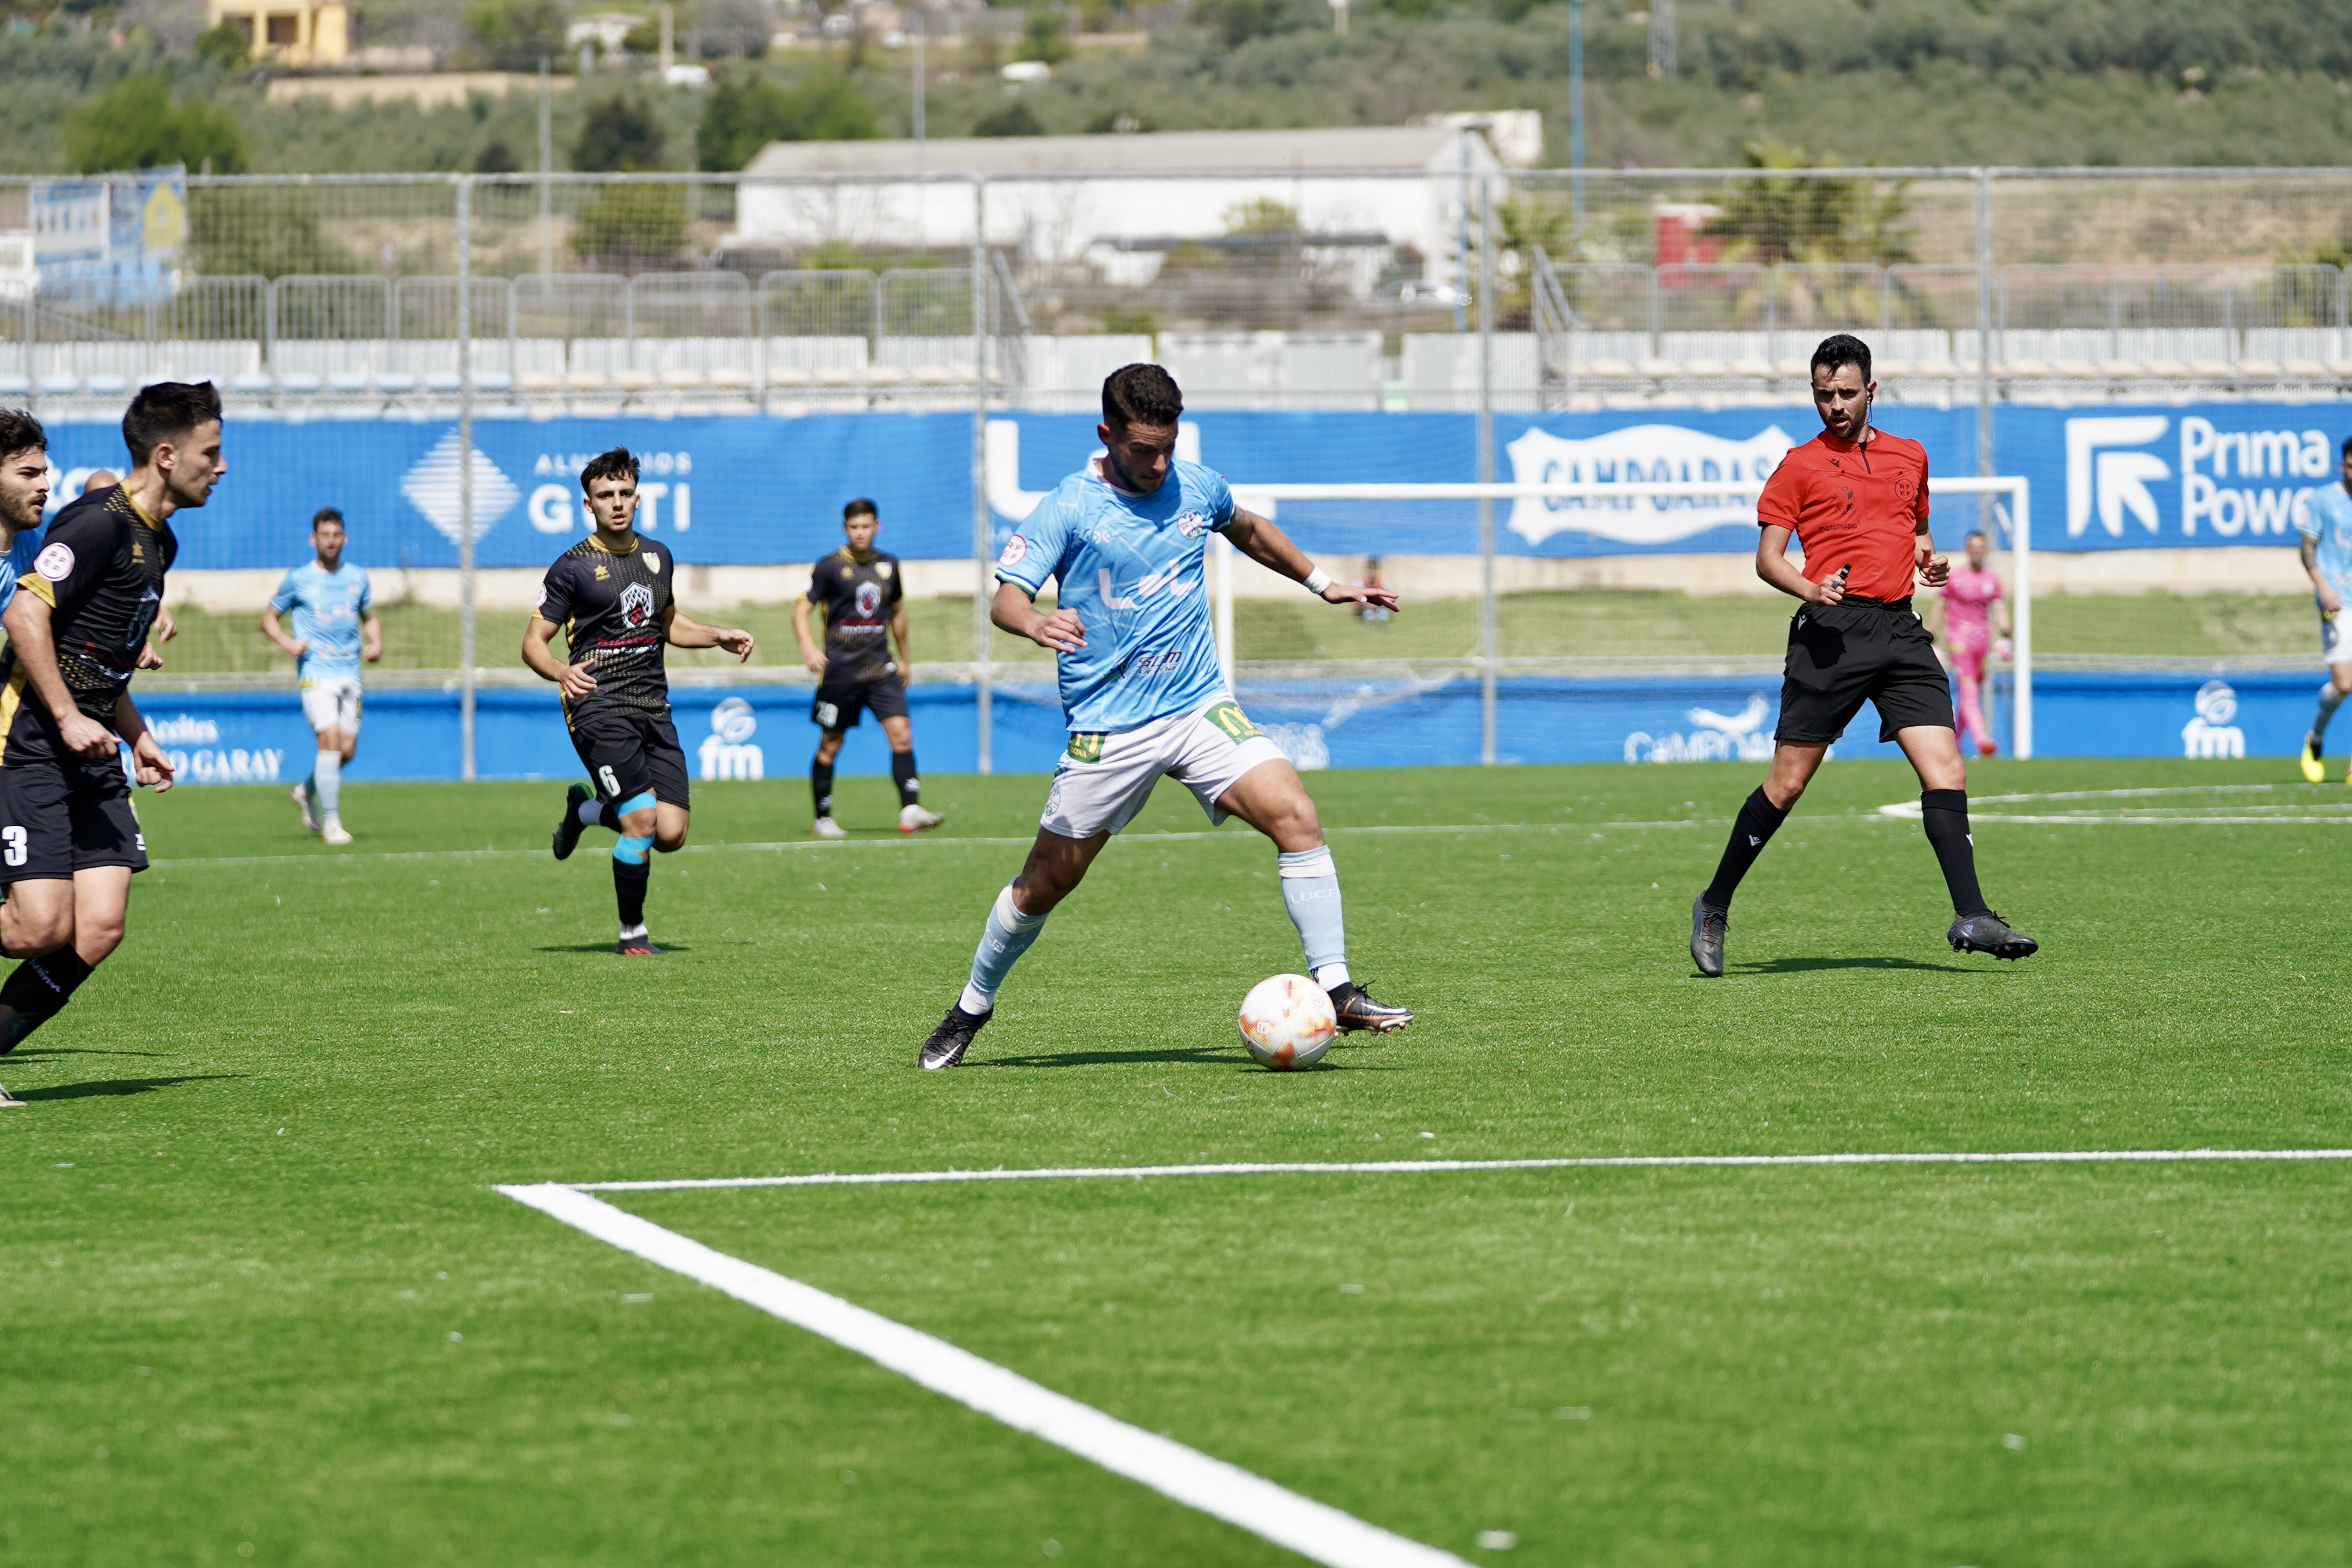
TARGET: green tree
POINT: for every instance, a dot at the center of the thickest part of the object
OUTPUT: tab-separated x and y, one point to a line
225	46
1798	218
261	231
745	113
1015	119
512	35
134	124
619	136
1044	37
632	229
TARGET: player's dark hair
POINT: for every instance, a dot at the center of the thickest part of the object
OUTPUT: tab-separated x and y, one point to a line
619	463
324	515
165	410
2347	446
861	506
1141	395
1842	350
20	432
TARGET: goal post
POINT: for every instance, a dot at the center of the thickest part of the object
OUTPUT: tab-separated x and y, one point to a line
2008	489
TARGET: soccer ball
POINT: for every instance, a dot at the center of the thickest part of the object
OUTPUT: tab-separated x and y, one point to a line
1287	1022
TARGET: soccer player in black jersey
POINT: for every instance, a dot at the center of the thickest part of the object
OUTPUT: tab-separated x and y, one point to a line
70	841
861	591
611	596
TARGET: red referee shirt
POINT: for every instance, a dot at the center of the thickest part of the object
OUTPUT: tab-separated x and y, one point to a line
1857	505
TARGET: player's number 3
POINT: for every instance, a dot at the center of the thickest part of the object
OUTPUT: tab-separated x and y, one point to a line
11	846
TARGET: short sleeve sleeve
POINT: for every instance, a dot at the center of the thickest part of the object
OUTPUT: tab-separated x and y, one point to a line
1783	498
816	594
367	593
1220	496
555	592
898	589
1030	556
1919	505
2307	517
73	557
286	597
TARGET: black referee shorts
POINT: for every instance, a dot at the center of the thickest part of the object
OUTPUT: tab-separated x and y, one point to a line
1857	652
838	703
59	817
629	752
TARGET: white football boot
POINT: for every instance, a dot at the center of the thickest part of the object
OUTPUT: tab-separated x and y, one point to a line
301	793
915	819
332	832
827	827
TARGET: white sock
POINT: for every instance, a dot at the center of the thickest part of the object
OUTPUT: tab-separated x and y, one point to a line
2329	698
1330	976
328	770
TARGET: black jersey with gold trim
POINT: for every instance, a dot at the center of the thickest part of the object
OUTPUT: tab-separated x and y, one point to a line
856	597
614	608
100	571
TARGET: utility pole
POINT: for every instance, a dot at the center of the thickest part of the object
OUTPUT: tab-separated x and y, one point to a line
546	171
922	26
1576	110
1661	38
668	38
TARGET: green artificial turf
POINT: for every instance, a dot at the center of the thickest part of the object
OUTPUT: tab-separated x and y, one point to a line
259	1288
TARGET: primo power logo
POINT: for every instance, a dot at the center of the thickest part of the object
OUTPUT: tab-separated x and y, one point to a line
2227	484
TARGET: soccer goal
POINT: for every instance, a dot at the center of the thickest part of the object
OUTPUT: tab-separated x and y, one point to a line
1488	604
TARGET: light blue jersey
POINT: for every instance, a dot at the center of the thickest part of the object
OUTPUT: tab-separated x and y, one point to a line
327	608
2326	515
19	560
1131	567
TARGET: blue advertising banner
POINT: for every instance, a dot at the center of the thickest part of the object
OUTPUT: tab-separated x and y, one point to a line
2122	477
758	489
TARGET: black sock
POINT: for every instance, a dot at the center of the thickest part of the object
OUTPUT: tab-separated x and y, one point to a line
902	769
1945	813
37	991
821	786
1752	829
629	890
608	815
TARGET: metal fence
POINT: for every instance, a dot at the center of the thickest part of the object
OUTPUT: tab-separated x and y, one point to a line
463	296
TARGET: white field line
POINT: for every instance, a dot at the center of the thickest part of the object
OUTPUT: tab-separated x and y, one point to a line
844	847
1423	1167
2157	816
1315	1530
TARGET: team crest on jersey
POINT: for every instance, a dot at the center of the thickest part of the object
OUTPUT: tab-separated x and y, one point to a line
600	573
1192	524
55	562
882	570
637	605
869	598
653	562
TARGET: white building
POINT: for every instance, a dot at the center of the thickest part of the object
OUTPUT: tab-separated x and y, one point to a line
1067	198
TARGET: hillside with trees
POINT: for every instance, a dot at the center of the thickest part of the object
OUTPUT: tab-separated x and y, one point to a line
1859	81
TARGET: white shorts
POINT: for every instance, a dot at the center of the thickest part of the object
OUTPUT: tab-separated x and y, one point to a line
2334	638
332	701
1102	781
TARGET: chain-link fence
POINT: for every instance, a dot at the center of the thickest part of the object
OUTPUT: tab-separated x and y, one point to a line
1442	323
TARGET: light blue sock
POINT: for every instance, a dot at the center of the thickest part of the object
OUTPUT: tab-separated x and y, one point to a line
2329	698
1310	891
1006	936
631	850
327	783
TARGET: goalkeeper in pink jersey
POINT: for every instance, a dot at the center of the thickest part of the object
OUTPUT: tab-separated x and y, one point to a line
1974	623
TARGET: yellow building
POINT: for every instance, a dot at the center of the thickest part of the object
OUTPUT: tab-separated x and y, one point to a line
293	32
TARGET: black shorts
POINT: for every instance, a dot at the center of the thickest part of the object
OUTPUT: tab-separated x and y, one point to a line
1860	650
56	818
837	705
629	752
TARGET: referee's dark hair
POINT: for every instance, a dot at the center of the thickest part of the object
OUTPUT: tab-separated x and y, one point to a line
619	463
323	516
1844	349
164	411
20	432
1141	395
861	506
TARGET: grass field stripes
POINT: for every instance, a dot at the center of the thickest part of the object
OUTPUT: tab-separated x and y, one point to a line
2314	807
1315	1530
881	840
1432	1167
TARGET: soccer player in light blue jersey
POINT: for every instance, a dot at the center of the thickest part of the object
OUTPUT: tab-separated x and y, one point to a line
1124	538
2325	519
334	629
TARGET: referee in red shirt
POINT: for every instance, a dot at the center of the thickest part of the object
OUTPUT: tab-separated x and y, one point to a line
1856	500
